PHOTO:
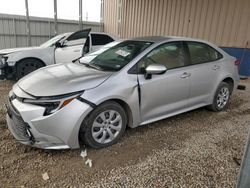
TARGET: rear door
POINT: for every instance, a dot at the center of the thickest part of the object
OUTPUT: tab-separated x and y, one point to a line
205	69
164	94
72	47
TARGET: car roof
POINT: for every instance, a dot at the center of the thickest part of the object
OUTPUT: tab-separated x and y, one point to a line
158	39
162	39
152	38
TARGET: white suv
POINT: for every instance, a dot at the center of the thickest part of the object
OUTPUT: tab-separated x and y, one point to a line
18	62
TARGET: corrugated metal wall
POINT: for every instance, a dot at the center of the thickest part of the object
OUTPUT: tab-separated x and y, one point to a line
110	16
224	22
13	29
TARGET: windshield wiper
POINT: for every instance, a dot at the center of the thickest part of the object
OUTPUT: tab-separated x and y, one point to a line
91	66
77	59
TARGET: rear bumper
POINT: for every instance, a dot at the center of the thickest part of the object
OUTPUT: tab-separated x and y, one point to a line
56	131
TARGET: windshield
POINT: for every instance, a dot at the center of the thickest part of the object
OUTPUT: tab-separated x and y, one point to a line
115	58
91	55
53	40
104	48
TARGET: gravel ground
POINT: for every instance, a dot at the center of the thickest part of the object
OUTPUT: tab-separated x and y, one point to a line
195	149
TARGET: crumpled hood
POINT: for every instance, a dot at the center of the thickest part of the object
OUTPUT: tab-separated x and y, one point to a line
61	79
11	50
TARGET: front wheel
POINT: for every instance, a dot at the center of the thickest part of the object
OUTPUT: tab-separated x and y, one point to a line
221	97
104	126
27	66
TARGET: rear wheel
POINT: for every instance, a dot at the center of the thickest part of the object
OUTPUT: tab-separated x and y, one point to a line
221	97
104	126
27	66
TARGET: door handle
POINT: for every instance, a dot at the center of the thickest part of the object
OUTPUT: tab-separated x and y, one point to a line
76	51
215	67
185	75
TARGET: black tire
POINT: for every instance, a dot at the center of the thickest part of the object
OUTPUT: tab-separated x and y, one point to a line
215	106
24	67
87	128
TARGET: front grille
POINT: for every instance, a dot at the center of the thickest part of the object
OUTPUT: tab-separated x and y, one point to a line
20	127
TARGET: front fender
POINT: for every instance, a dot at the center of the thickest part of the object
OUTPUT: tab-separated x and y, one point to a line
118	87
44	54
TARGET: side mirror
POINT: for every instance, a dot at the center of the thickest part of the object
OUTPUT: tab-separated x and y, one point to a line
58	44
154	69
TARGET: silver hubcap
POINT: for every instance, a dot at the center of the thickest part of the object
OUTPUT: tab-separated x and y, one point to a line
223	97
106	126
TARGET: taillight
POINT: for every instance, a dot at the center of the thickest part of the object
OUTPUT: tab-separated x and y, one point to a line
237	62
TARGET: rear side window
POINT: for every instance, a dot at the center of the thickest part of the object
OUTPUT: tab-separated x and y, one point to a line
202	53
101	39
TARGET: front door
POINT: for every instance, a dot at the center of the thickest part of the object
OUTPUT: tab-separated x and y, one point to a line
164	94
72	47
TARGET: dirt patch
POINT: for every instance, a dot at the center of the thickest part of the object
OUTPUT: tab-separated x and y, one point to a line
198	148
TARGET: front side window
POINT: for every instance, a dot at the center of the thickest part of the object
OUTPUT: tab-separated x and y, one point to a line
202	53
171	55
115	58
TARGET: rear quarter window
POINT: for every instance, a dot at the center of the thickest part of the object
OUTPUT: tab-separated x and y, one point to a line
202	53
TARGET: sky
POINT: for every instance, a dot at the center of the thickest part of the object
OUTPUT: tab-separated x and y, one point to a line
66	9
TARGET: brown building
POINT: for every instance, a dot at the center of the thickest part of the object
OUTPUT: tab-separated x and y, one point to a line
224	22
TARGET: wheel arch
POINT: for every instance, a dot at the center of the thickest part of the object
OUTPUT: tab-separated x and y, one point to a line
122	103
30	58
16	74
125	106
127	109
230	81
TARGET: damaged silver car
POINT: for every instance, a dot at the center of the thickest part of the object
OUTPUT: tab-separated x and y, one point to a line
133	83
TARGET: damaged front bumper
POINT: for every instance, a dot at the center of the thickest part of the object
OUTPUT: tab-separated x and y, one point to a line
2	69
7	72
59	130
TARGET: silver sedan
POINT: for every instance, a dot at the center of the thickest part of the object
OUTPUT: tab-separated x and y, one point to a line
133	83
